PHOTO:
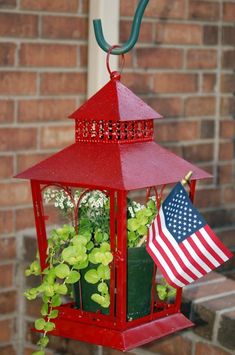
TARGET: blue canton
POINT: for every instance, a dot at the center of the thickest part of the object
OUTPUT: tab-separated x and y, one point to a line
182	218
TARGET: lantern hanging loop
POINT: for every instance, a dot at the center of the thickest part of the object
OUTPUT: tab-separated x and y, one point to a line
114	74
135	30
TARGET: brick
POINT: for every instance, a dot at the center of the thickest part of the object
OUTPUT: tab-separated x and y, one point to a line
226	151
167	107
6	330
228	59
227	329
6	277
166	9
210	35
6	164
7	248
159	58
203	10
199	152
146	31
207	198
176	131
7	4
18	25
209	82
220	216
227	129
127	8
229	195
17	83
175	83
45	110
24	218
83	57
6	222
140	83
229	11
7	53
7	302
207	129
202	59
172	345
200	106
48	55
30	248
52	5
7	350
6	111
228	35
64	27
14	138
63	83
25	161
177	33
56	137
16	193
33	308
225	174
228	83
212	289
227	107
227	236
204	348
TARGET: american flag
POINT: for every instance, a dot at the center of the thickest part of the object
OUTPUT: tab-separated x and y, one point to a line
181	243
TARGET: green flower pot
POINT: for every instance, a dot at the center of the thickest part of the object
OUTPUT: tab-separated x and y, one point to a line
139	285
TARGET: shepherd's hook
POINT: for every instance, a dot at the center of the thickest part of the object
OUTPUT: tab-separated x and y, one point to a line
135	30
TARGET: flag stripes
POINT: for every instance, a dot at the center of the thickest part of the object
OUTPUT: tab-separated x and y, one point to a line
184	262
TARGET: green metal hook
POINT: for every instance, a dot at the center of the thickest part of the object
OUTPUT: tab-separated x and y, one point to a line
135	30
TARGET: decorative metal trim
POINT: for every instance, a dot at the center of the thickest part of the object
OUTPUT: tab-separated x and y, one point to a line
114	131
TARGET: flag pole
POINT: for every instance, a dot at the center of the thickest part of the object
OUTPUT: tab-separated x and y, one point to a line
184	182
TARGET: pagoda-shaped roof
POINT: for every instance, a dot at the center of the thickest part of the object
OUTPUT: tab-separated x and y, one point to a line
114	166
115	102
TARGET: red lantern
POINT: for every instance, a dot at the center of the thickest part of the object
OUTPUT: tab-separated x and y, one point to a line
115	152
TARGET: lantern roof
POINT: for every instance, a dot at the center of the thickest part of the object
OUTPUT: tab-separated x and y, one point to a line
114	166
115	102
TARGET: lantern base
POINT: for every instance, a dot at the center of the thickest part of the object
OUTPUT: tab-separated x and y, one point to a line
122	340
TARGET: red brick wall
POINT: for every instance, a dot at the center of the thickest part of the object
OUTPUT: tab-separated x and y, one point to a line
183	66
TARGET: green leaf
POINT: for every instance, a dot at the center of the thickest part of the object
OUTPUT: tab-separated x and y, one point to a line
162	292
56	301
103	288
40	323
49	290
97	298
49	326
61	289
98	236
90	245
107	258
103	272
142	230
132	224
43	341
105	247
106	301
91	276
27	272
81	265
54	314
44	309
40	352
73	277
62	271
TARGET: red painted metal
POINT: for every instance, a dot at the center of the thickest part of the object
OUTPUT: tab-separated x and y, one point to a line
123	340
115	102
131	160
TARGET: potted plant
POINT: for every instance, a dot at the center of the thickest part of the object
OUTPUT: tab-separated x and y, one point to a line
79	258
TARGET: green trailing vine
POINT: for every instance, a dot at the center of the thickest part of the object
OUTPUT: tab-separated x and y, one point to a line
85	248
